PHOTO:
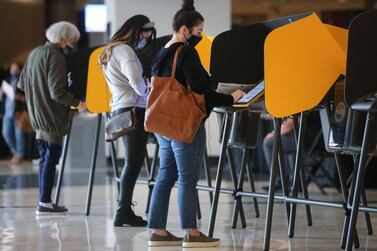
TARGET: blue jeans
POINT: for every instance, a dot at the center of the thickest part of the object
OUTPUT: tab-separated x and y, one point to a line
49	155
183	162
13	136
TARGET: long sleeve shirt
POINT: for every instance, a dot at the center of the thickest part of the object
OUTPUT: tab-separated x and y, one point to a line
190	72
44	81
124	76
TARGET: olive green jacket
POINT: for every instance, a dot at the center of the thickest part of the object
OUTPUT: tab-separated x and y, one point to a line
44	81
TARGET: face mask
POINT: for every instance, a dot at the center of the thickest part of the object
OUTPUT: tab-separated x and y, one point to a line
14	74
141	44
194	40
71	46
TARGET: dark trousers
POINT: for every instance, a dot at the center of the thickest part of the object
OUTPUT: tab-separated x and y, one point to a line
134	147
288	145
49	155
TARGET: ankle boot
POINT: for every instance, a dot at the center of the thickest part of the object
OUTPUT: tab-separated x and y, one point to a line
127	217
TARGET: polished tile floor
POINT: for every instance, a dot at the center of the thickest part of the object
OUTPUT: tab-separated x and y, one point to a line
20	230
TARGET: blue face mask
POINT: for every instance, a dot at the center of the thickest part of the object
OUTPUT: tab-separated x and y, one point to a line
14	74
141	44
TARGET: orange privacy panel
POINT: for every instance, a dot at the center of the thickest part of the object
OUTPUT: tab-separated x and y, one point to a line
341	37
204	50
98	94
302	61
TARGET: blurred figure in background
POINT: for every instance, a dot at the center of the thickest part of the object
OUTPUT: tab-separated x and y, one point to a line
13	135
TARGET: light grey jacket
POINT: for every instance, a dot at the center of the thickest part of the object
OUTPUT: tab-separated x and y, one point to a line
124	76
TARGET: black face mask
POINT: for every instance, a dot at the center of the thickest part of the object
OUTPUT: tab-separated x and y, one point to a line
194	40
67	50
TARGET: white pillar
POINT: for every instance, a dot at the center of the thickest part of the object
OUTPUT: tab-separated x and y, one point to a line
217	13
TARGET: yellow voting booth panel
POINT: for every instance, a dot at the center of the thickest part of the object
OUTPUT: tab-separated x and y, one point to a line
204	50
340	35
302	61
98	95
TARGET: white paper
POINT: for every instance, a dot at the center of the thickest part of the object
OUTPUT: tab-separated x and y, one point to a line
228	88
8	89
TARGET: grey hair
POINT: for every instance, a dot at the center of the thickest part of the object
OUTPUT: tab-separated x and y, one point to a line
62	31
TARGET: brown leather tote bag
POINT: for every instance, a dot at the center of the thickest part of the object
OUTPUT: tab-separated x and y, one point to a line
174	110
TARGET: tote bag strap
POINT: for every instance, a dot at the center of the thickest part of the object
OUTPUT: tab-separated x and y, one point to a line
174	68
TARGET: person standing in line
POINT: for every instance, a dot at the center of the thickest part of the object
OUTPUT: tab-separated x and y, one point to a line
124	76
181	161
14	137
44	81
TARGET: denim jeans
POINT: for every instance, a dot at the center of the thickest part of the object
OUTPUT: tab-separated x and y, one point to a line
183	162
49	155
13	136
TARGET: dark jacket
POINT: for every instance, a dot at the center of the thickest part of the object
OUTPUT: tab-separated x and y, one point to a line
189	71
44	81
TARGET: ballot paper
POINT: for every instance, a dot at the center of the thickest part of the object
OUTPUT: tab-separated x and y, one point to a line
228	88
8	89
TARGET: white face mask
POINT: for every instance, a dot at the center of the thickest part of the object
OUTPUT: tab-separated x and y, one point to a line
141	44
70	45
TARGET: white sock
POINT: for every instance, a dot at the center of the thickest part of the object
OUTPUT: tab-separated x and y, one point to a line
43	204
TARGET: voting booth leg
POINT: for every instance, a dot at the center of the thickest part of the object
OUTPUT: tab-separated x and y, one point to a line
365	202
152	175
304	187
93	165
350	198
359	183
219	175
115	165
284	180
237	208
114	160
233	174
147	163
199	212
252	187
208	175
283	176
366	214
64	158
271	190
303	181
297	170
344	188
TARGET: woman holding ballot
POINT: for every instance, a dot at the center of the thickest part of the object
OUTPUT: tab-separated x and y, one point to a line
124	76
181	161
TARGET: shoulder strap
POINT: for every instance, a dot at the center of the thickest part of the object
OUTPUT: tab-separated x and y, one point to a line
174	67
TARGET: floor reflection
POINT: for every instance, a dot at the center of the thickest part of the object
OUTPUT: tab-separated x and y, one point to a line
20	230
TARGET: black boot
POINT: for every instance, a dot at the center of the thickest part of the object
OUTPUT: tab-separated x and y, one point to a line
128	218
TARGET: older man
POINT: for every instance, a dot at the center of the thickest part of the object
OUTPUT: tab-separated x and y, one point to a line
44	81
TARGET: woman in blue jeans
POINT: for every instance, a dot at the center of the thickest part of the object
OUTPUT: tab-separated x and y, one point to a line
13	135
181	161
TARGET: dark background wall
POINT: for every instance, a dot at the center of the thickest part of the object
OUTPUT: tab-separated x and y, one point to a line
22	25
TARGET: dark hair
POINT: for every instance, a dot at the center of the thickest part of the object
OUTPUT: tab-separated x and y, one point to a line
187	16
128	34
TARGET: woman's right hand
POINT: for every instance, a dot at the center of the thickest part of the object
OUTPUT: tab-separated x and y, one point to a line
237	95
